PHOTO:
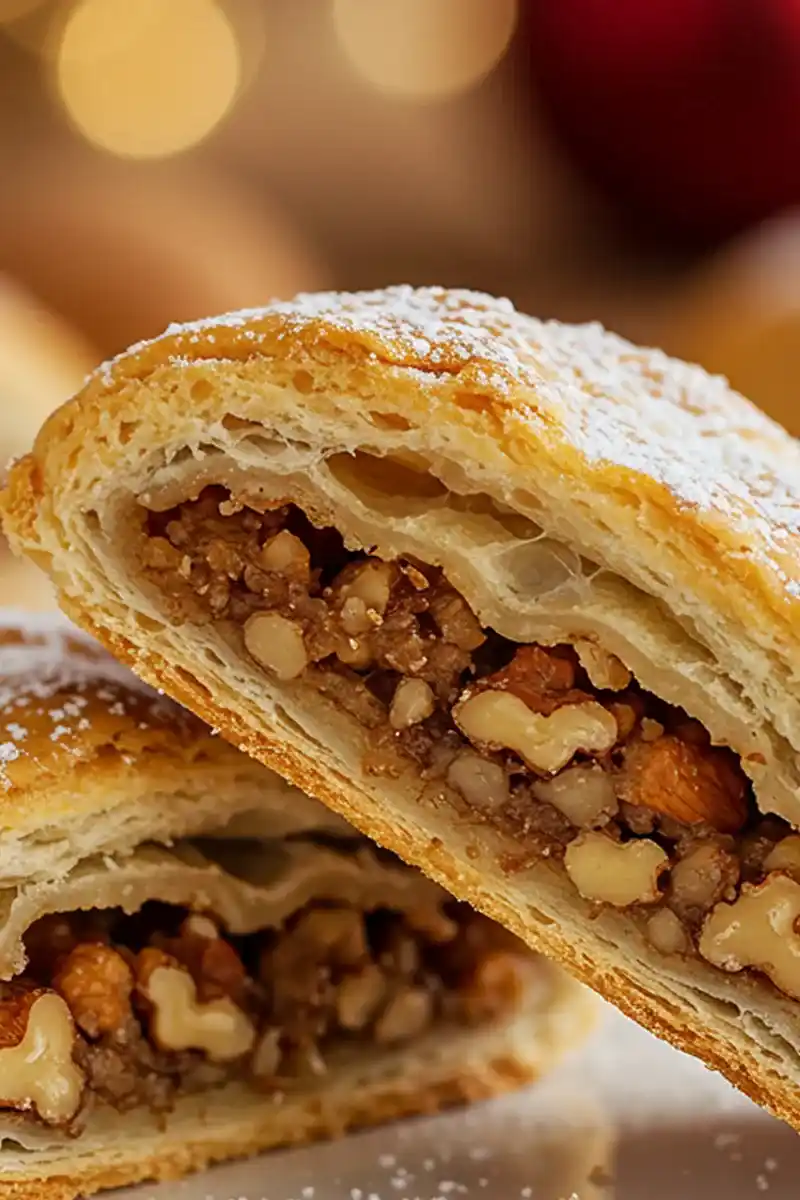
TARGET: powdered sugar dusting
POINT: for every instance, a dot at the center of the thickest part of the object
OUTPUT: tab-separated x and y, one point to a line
56	688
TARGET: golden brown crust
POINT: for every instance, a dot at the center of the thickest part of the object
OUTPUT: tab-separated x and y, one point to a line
683	493
471	881
460	1070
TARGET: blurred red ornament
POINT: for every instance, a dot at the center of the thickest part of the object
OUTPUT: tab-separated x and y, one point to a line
687	112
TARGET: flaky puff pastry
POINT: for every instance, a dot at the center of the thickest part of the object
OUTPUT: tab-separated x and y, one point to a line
101	782
570	485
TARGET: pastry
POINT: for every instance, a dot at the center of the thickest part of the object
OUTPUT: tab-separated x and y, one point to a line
198	961
518	599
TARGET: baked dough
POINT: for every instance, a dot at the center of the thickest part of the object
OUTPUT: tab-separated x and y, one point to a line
573	488
112	796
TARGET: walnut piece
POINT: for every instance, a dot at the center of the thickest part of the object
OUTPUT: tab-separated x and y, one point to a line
96	983
481	782
758	930
785	856
286	553
412	702
37	1071
276	643
496	720
360	996
605	670
617	873
179	1022
585	795
407	1014
667	934
702	877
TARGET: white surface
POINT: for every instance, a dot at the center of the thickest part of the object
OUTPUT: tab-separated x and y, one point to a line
626	1118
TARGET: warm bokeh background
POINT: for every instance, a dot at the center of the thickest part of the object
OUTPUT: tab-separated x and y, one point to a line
628	161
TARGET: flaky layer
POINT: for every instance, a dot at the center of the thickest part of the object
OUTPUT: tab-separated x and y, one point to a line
93	762
570	486
449	1068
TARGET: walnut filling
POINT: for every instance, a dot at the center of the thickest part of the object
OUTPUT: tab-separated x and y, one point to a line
557	746
139	1010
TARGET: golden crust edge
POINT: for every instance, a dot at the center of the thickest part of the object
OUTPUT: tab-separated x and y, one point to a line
433	858
310	1122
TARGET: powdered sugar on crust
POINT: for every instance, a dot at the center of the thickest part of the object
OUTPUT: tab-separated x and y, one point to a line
62	697
636	417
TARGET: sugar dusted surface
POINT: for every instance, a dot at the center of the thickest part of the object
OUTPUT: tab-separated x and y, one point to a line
60	694
654	421
627	1118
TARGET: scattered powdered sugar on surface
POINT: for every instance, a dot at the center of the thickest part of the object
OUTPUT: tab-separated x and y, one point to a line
636	408
49	674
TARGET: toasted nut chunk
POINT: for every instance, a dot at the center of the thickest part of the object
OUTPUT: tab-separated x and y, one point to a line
667	934
618	873
276	643
456	620
497	985
96	983
605	670
407	1015
700	878
758	930
481	782
338	934
267	1055
200	926
692	783
360	996
785	857
585	795
651	730
495	720
370	582
37	1071
286	553
179	1022
413	702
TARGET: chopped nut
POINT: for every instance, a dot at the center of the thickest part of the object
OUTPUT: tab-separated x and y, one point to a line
651	730
585	795
180	1022
286	553
605	670
694	784
543	679
758	930
406	1016
37	1071
495	720
618	873
700	878
413	701
785	857
267	1055
456	620
481	782
96	983
360	996
334	933
667	934
276	643
497	986
370	582
198	925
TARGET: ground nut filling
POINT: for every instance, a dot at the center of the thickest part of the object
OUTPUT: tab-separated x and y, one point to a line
557	746
131	1011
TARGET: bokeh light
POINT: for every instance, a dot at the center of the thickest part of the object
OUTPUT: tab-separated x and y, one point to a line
424	49
147	78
